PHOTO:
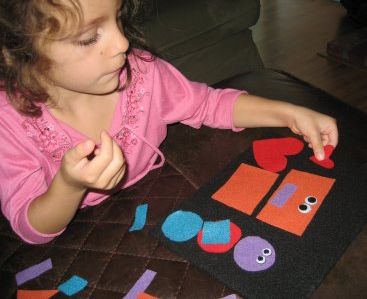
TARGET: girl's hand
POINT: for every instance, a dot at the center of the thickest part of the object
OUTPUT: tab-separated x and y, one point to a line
317	129
104	171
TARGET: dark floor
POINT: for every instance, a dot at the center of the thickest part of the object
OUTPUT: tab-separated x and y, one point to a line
290	33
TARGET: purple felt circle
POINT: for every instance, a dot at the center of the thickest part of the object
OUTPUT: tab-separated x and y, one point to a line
249	252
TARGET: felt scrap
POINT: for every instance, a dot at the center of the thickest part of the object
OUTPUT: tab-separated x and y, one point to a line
33	272
181	226
245	188
140	218
146	296
327	162
216	232
271	154
235	235
288	217
232	296
141	285
72	286
281	197
35	294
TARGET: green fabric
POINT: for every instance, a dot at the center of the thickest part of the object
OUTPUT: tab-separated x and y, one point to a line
232	56
178	27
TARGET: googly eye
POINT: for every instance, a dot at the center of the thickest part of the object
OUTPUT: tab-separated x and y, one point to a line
266	251
311	200
304	208
260	259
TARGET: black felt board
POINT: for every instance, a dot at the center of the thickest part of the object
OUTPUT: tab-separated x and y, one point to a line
301	262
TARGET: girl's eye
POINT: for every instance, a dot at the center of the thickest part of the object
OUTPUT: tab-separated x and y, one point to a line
89	41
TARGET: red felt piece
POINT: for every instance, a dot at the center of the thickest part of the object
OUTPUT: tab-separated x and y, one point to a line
271	154
35	294
327	162
235	236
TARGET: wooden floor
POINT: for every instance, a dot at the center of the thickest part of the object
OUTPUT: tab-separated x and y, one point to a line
290	33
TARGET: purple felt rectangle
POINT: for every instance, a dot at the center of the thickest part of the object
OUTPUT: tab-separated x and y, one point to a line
141	285
33	272
232	296
283	195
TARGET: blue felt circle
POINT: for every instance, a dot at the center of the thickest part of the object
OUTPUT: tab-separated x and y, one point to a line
182	226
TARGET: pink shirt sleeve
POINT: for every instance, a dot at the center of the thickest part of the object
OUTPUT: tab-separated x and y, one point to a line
191	103
22	180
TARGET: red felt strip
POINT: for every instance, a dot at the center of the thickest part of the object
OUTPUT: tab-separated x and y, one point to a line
146	296
35	294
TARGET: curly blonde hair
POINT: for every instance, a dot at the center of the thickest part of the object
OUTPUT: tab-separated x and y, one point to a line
26	26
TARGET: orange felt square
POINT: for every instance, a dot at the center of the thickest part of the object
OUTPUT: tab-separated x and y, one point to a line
299	209
35	294
245	188
146	296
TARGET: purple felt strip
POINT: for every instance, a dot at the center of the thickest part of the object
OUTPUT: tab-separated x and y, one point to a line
141	285
283	195
233	296
33	272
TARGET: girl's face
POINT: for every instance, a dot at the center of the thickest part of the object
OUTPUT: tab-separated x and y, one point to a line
89	62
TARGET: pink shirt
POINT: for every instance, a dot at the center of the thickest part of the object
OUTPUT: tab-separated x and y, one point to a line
32	148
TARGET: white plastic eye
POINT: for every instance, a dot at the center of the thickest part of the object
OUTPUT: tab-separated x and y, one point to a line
304	208
311	200
260	259
266	251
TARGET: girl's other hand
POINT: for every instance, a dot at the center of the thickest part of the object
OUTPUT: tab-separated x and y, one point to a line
103	172
317	129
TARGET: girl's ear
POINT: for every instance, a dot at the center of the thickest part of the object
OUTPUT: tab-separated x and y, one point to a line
7	56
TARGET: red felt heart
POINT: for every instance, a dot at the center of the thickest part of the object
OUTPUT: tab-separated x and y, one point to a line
271	154
327	162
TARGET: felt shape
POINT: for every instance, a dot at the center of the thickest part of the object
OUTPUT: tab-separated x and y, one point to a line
141	285
73	285
296	213
232	296
181	226
216	232
327	162
33	272
146	296
271	154
245	188
235	235
140	217
254	254
35	294
283	195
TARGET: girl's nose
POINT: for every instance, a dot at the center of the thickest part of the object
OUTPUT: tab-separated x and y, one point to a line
120	42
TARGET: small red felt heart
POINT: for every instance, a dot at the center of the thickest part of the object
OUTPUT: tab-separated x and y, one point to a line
327	162
271	154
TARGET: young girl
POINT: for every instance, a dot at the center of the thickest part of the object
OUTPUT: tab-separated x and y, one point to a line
83	113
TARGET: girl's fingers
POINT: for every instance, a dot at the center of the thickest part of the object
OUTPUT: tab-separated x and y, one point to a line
114	168
103	156
333	136
318	149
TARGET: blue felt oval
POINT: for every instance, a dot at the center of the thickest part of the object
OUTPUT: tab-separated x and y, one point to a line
181	226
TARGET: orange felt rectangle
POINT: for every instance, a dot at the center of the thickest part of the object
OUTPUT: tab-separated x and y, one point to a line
245	188
289	217
35	294
146	296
